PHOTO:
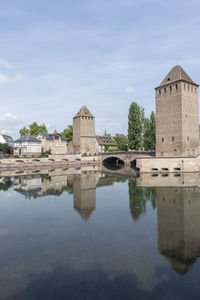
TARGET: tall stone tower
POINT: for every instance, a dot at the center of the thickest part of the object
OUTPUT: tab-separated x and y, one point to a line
84	139
177	115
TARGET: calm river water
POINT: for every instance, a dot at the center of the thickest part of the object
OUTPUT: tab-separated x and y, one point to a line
73	234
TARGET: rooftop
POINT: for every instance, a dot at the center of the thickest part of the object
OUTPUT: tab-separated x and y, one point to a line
50	136
105	140
176	74
84	112
28	138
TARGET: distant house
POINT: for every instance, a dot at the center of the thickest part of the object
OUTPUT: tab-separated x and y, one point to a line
6	139
103	141
54	142
121	135
27	145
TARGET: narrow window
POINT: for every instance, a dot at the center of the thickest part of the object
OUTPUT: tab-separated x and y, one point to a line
192	89
184	86
161	153
188	138
176	87
188	88
163	139
195	90
165	90
172	138
170	89
160	92
193	151
175	151
188	151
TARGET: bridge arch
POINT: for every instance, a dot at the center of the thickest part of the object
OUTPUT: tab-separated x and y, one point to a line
113	159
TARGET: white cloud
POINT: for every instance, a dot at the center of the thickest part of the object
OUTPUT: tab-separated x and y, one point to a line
129	89
10	124
8	117
18	77
5	131
5	64
4	79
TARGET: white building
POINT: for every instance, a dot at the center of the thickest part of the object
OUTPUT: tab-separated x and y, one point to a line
6	139
104	141
27	145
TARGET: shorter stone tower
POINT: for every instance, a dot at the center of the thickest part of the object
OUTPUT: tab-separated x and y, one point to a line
177	115
84	139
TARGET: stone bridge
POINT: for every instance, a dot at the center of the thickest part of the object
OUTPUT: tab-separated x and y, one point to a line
128	157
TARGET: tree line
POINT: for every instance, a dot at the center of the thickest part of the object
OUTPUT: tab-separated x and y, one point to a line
34	129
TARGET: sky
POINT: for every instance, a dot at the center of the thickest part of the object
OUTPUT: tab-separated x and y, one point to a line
57	55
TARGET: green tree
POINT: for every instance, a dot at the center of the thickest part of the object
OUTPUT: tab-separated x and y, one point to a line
122	142
149	136
153	131
6	149
68	133
146	134
135	126
24	131
33	129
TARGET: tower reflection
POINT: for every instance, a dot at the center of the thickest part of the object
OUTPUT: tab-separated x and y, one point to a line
178	211
179	226
85	194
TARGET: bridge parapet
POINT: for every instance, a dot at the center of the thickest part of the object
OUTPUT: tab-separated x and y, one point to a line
126	156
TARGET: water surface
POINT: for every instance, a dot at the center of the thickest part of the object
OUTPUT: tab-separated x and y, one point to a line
92	235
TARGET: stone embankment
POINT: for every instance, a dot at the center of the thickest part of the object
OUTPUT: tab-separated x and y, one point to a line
52	160
168	164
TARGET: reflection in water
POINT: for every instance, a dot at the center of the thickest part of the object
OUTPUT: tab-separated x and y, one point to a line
138	197
179	226
83	187
85	194
48	252
178	211
5	183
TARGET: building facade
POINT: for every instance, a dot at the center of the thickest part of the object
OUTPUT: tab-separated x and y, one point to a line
103	142
6	139
177	115
84	139
27	145
54	142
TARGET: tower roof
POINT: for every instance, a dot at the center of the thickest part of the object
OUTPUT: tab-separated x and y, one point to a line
176	74
84	112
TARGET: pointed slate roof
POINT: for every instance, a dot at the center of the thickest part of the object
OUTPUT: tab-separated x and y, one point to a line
84	112
176	74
